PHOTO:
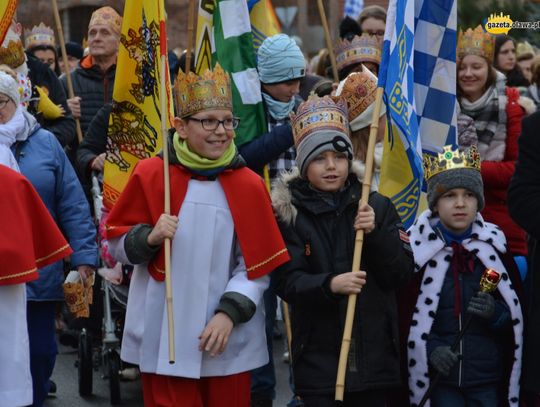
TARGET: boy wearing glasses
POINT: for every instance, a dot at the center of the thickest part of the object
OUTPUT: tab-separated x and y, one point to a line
225	241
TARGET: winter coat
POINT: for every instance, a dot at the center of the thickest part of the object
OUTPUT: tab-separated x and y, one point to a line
42	160
432	323
41	75
93	86
320	238
94	142
524	204
497	174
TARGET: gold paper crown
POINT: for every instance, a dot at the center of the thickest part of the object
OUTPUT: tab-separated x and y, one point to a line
39	35
476	42
317	114
13	54
524	50
210	91
365	48
451	159
107	16
359	89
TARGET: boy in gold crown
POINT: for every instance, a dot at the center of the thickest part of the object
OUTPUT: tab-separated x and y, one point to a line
452	246
224	243
317	208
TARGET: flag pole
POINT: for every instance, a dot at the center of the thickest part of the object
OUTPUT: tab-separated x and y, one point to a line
190	29
328	40
359	241
167	188
71	94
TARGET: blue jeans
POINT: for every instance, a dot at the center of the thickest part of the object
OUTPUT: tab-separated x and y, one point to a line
263	379
479	396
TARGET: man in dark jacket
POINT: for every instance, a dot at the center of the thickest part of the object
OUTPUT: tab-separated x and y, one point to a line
93	80
523	204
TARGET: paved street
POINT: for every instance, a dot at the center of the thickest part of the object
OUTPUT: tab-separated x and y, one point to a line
65	376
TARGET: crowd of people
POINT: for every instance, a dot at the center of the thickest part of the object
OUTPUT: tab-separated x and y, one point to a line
277	218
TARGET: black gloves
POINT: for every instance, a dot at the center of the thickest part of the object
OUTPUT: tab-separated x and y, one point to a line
482	305
442	359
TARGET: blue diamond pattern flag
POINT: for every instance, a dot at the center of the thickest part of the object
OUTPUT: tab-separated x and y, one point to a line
352	8
418	74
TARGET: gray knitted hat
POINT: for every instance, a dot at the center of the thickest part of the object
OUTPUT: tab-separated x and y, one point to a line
319	142
468	178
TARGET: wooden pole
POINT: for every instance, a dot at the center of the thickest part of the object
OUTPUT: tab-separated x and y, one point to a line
167	204
359	241
71	94
328	38
190	29
288	328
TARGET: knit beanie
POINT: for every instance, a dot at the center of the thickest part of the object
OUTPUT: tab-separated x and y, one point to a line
73	49
9	87
279	59
320	125
468	178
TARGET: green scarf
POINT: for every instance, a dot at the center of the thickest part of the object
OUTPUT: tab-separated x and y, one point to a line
192	160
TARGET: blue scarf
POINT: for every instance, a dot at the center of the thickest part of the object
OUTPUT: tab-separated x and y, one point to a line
278	110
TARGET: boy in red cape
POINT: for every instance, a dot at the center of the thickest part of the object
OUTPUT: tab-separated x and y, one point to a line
225	241
29	240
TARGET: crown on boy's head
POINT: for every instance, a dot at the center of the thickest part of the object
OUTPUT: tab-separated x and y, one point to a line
364	48
12	50
316	114
39	35
451	159
476	42
196	93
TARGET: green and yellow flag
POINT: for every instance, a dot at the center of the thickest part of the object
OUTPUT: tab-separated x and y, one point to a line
229	32
135	122
7	11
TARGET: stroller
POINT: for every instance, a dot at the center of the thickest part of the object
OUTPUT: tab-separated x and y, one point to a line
114	305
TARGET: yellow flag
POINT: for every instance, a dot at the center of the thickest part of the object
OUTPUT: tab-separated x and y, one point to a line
264	22
7	10
135	122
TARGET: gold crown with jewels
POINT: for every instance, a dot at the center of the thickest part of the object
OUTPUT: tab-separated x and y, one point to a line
359	90
39	35
210	91
364	48
12	54
476	42
316	114
451	159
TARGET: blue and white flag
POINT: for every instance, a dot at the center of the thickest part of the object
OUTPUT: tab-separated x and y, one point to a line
353	8
418	76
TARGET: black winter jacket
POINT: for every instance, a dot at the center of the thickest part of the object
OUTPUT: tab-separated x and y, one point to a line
41	75
94	87
320	239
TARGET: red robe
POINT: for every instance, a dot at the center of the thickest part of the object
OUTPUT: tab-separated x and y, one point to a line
254	223
29	237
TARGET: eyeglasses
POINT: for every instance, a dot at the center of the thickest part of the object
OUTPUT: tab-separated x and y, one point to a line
378	33
213	124
3	103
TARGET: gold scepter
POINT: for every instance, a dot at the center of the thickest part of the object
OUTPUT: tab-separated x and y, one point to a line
359	241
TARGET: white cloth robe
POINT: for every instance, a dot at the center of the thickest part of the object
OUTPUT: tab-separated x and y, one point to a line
15	377
206	262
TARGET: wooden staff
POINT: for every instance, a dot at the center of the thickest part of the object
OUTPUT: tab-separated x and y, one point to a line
359	240
71	94
288	330
190	29
167	203
328	41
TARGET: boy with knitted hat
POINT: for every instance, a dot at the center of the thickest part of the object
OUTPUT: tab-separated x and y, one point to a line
452	247
224	243
317	209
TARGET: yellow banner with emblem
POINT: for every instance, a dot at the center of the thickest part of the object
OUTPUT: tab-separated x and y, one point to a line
135	121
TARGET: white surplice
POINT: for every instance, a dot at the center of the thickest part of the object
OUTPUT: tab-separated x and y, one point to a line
15	377
206	263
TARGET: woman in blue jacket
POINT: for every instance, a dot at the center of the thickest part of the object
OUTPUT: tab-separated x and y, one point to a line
42	160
